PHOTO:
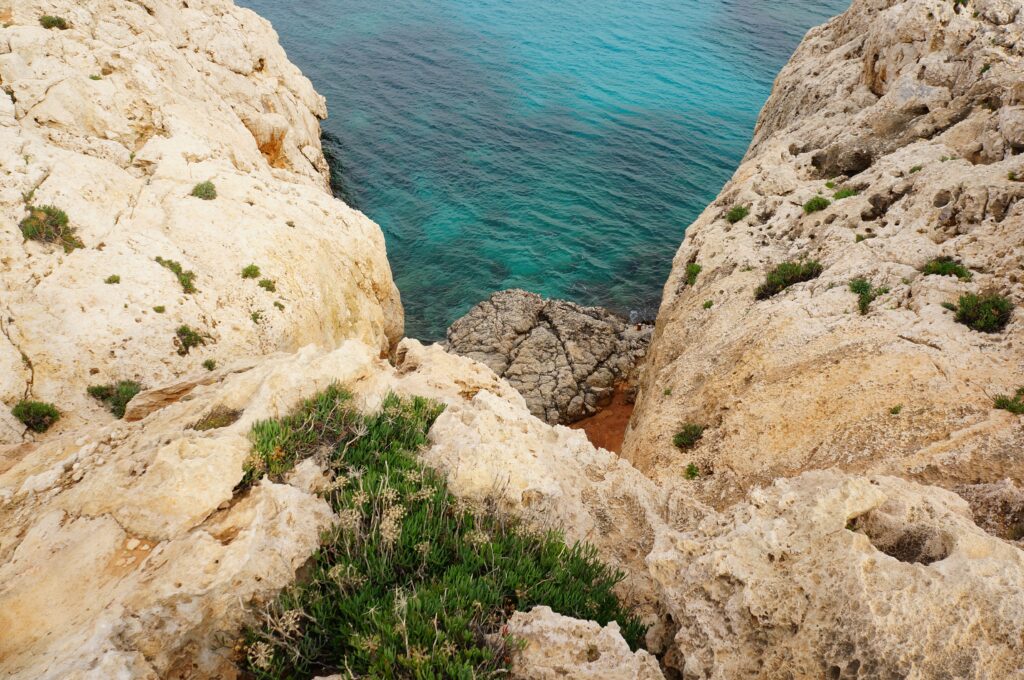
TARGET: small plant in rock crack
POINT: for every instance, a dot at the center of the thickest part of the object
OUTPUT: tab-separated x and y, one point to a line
916	168
185	338
49	224
250	271
816	204
692	471
116	396
786	275
268	285
209	364
205	190
50	22
947	266
865	293
185	277
410	583
688	436
845	192
692	270
737	213
1014	404
37	416
988	313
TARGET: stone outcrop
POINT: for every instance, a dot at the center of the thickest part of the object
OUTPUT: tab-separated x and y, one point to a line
915	105
566	360
114	121
557	647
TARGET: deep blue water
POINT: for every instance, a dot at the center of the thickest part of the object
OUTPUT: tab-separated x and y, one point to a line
560	146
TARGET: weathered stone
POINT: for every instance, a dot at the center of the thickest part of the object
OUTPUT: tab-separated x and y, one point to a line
566	360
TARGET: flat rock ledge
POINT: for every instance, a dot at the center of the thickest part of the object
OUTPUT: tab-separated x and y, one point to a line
565	359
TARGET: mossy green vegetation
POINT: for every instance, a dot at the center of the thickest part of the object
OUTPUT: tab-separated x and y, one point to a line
896	410
708	304
1014	404
112	279
205	190
116	395
159	309
816	204
50	224
947	266
692	271
37	416
48	21
250	271
268	285
916	168
185	277
737	213
186	338
866	294
692	471
209	364
786	275
984	313
410	582
688	436
845	192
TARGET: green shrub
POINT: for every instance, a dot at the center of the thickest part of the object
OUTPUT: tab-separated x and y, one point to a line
688	437
947	266
692	270
205	191
845	193
185	278
948	305
895	410
185	338
410	583
49	224
815	204
708	304
865	293
916	168
279	305
737	213
209	364
50	22
785	275
692	471
115	396
256	316
159	309
985	313
1014	404
113	278
250	271
830	184
37	416
1012	176
667	392
268	285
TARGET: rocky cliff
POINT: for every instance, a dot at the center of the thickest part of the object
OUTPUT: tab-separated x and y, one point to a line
889	151
134	549
114	120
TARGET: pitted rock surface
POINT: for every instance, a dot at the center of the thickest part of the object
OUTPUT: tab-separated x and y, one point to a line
565	359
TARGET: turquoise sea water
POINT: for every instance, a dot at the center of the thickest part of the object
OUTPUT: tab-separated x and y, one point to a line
558	146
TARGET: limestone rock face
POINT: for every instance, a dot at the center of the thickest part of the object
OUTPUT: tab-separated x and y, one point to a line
833	576
125	550
565	359
114	121
558	647
915	105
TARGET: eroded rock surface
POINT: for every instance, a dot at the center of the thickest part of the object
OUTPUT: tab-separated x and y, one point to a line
114	121
915	105
565	359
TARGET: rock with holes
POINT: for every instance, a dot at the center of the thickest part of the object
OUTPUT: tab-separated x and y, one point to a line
904	115
832	576
114	121
566	360
556	647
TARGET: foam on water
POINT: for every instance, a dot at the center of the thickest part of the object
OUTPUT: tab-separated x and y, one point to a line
562	147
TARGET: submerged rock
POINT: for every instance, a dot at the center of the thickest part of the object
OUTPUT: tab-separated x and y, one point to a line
565	359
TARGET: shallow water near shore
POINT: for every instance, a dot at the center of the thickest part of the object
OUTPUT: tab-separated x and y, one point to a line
558	147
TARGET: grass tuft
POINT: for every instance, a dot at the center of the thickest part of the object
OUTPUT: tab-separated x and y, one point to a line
268	285
688	437
737	213
866	294
37	416
984	313
185	277
250	271
49	224
1014	404
845	192
209	364
786	275
692	270
947	266
411	582
815	204
205	190
692	471
116	396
